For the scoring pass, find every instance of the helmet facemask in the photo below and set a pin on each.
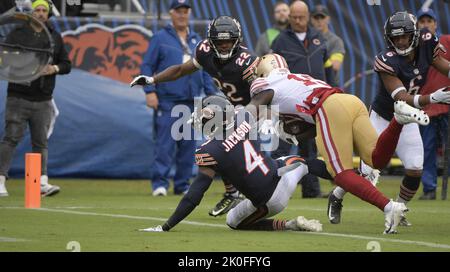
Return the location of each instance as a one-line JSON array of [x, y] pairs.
[[394, 28], [225, 28]]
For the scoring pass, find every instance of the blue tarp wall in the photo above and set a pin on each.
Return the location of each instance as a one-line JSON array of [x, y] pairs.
[[104, 129]]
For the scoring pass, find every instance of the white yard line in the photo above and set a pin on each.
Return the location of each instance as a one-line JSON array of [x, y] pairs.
[[11, 240], [160, 219]]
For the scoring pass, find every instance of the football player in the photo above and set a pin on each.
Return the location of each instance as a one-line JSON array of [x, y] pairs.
[[230, 65], [402, 70], [234, 153], [340, 123]]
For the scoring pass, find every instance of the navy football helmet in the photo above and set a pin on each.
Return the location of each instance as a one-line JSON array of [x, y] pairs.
[[401, 23], [225, 28], [215, 116]]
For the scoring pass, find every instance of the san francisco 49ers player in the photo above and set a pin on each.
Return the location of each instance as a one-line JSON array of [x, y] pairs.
[[341, 123], [230, 65]]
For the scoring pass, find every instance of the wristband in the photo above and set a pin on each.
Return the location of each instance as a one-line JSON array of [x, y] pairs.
[[416, 101], [396, 91]]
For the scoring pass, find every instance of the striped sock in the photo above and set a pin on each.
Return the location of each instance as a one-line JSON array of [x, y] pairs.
[[408, 188], [279, 224]]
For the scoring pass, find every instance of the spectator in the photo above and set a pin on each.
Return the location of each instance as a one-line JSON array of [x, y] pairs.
[[305, 52], [281, 16], [436, 132], [31, 104], [320, 19], [175, 44]]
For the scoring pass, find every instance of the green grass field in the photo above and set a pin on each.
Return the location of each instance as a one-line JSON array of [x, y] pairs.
[[104, 216]]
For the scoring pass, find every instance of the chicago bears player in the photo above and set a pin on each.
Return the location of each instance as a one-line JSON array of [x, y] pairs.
[[230, 65], [341, 123], [232, 152], [402, 69]]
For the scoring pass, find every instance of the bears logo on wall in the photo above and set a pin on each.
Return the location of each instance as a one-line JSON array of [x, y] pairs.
[[116, 53]]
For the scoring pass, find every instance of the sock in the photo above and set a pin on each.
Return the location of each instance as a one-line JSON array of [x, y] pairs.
[[318, 168], [408, 188], [44, 180], [230, 189], [388, 207], [386, 144], [339, 192], [362, 188], [266, 224]]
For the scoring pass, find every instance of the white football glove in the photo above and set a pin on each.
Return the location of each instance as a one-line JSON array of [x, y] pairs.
[[289, 138], [142, 80], [440, 96], [153, 229], [267, 127]]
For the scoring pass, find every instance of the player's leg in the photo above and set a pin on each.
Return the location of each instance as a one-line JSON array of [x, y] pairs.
[[164, 149], [410, 152], [245, 216], [40, 122], [334, 122], [15, 127]]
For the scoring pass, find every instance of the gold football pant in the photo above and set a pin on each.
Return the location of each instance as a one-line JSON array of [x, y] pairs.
[[343, 126]]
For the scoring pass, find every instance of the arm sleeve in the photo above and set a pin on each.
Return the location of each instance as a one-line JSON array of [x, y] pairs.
[[151, 61], [64, 63], [189, 201]]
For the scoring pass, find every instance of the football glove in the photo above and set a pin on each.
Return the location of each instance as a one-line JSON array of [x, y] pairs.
[[440, 96], [153, 229], [289, 138], [142, 80]]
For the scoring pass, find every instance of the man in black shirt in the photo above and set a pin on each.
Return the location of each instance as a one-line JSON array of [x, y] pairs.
[[31, 103]]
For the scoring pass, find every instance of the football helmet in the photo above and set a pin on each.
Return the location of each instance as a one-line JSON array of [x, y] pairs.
[[225, 28], [401, 23], [215, 116], [269, 62]]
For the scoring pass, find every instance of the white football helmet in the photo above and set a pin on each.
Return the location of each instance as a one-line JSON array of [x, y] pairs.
[[270, 62]]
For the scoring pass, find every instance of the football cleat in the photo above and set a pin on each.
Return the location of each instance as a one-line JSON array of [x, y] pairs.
[[404, 222], [225, 205], [303, 224], [334, 209], [49, 190], [405, 114], [393, 217]]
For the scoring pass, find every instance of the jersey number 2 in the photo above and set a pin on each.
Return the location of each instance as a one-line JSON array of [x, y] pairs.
[[253, 160]]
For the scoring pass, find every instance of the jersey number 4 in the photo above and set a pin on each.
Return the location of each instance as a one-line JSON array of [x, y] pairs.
[[253, 160]]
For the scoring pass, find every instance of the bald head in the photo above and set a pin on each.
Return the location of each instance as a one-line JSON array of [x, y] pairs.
[[299, 16]]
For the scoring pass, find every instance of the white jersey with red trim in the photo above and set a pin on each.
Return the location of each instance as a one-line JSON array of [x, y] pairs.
[[294, 94]]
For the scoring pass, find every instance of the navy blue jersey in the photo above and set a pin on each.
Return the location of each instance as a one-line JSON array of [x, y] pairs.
[[412, 74], [233, 76], [238, 159]]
